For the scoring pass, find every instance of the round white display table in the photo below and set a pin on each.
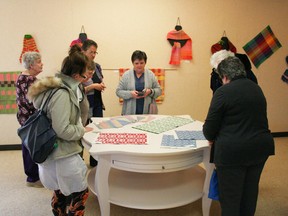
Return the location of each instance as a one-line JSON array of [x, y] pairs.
[[148, 176]]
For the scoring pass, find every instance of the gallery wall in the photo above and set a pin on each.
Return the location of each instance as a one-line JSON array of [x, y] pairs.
[[120, 27]]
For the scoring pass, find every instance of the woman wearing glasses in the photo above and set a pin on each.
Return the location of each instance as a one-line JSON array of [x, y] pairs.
[[64, 171]]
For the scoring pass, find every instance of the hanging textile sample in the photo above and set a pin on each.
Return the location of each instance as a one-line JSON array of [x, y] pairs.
[[262, 46], [8, 92], [29, 44], [82, 37], [284, 77], [223, 43], [181, 45]]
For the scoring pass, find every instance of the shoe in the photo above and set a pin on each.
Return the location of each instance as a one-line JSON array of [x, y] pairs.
[[93, 162], [36, 184]]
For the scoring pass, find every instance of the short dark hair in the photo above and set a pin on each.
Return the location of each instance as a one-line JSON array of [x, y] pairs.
[[231, 67], [88, 43], [139, 55], [75, 62]]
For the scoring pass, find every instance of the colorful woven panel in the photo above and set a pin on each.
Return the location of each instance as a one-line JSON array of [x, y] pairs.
[[162, 125], [122, 138], [116, 122], [170, 141], [194, 135], [159, 73], [8, 92], [262, 46]]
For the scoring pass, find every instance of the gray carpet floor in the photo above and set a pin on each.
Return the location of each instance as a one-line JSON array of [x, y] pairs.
[[20, 200]]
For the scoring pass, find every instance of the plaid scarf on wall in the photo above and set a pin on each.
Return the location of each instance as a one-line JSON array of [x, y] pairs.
[[262, 46]]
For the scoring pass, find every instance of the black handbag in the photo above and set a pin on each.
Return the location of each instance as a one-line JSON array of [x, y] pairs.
[[37, 134]]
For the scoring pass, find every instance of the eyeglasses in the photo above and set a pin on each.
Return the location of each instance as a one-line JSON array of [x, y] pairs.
[[83, 76], [94, 53]]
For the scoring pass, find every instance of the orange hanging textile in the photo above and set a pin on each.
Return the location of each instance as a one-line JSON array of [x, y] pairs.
[[182, 46], [28, 45]]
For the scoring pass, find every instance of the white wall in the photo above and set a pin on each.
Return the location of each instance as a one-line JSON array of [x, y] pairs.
[[120, 27]]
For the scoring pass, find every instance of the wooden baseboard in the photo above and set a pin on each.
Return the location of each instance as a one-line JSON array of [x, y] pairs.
[[10, 147], [280, 134]]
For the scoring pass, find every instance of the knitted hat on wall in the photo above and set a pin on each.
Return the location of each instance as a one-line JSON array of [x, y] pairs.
[[82, 37], [28, 45], [223, 44]]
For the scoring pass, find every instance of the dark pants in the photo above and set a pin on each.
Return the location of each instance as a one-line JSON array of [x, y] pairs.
[[238, 189], [98, 110], [75, 202], [30, 167]]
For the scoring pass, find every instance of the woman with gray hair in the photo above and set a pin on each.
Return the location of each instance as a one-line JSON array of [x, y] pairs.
[[33, 65], [237, 128]]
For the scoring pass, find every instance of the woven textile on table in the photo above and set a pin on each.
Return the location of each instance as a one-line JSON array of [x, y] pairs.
[[262, 46], [8, 92], [160, 75]]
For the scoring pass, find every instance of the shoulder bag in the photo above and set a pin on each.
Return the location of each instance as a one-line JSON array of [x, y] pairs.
[[37, 134], [153, 109]]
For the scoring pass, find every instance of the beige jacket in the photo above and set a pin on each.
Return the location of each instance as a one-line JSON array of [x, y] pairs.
[[63, 109]]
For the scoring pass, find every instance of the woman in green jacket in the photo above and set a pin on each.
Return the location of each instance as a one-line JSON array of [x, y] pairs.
[[64, 171]]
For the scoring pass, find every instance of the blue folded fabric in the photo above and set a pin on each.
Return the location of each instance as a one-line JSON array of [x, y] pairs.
[[213, 189]]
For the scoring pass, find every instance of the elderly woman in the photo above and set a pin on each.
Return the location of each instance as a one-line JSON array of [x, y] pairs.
[[33, 66], [64, 171], [237, 128], [138, 86]]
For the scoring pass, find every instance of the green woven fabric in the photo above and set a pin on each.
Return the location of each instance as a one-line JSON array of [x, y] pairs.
[[8, 92]]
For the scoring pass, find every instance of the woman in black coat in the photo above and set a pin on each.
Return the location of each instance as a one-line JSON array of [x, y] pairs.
[[237, 128]]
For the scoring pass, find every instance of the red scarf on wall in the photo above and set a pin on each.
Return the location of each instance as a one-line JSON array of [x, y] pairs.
[[182, 46]]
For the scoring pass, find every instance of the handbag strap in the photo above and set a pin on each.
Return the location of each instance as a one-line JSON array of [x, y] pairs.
[[43, 105]]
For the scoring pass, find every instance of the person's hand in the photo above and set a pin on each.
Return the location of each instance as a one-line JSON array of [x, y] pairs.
[[147, 92], [103, 86], [99, 86], [88, 129], [134, 94]]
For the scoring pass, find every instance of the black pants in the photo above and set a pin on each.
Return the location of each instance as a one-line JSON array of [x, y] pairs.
[[238, 189], [30, 167]]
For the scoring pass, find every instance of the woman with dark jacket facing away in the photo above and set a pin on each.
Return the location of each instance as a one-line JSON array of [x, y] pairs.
[[64, 171], [237, 128]]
